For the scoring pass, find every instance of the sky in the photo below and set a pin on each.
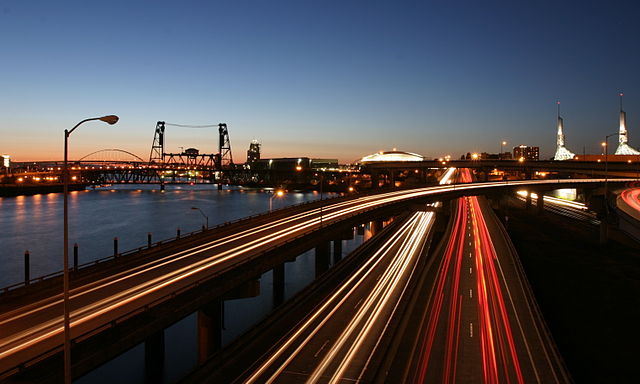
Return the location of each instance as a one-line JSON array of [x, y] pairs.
[[329, 79]]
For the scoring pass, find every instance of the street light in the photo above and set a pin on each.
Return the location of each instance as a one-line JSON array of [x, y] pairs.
[[277, 193], [321, 195], [502, 144], [110, 119], [202, 213], [605, 144]]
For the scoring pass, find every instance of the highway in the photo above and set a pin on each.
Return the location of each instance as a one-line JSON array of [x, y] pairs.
[[33, 330], [572, 209], [334, 342], [629, 202], [478, 321]]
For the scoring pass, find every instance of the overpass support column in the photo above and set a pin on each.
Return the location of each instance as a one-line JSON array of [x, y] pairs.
[[209, 329], [604, 230], [337, 250], [528, 200], [540, 203], [322, 258], [376, 226], [278, 285], [154, 357]]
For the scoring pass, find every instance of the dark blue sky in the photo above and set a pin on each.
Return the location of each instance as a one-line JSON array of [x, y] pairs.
[[325, 79]]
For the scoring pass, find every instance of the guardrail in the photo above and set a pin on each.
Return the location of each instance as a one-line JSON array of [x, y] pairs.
[[139, 250]]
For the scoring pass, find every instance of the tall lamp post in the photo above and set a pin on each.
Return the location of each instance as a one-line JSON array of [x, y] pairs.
[[202, 213], [502, 144], [321, 195], [110, 119], [277, 193], [605, 144]]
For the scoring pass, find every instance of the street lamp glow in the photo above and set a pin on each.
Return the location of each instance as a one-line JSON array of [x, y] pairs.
[[277, 193]]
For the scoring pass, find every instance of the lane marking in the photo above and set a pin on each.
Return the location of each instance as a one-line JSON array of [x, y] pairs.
[[470, 329], [321, 348], [470, 270], [471, 293]]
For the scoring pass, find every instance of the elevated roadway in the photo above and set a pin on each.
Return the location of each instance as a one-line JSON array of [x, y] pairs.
[[31, 330], [476, 320]]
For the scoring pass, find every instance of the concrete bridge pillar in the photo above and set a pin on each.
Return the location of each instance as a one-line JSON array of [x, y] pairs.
[[604, 230], [540, 203], [210, 320], [337, 250], [322, 258], [278, 285], [376, 226], [528, 201], [154, 358]]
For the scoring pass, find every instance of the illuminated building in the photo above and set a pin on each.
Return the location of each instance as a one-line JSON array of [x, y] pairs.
[[623, 139], [562, 153], [526, 152], [253, 154], [391, 156]]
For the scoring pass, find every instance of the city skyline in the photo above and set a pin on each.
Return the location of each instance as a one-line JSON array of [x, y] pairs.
[[331, 80]]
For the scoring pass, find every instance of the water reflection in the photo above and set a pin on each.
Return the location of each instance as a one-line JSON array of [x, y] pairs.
[[128, 212]]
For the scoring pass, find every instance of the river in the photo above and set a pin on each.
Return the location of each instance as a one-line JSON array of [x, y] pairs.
[[130, 212]]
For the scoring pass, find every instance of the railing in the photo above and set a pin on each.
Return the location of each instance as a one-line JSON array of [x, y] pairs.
[[140, 250], [248, 218]]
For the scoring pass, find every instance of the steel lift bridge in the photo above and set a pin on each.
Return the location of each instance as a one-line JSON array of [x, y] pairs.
[[211, 166], [115, 166]]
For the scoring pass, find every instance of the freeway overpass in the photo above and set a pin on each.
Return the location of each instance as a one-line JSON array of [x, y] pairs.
[[462, 313], [132, 299]]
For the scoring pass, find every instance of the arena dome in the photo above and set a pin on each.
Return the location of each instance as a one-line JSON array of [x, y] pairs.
[[392, 156]]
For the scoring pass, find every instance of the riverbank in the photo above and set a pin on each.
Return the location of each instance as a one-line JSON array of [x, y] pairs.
[[10, 190]]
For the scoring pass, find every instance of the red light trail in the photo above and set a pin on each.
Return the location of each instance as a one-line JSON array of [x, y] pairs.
[[472, 331]]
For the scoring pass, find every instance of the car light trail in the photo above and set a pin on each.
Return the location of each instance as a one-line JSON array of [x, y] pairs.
[[34, 329], [632, 198], [572, 209], [472, 329], [394, 263]]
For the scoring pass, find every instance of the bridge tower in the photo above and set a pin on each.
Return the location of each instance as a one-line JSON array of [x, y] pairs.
[[225, 159], [157, 149]]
